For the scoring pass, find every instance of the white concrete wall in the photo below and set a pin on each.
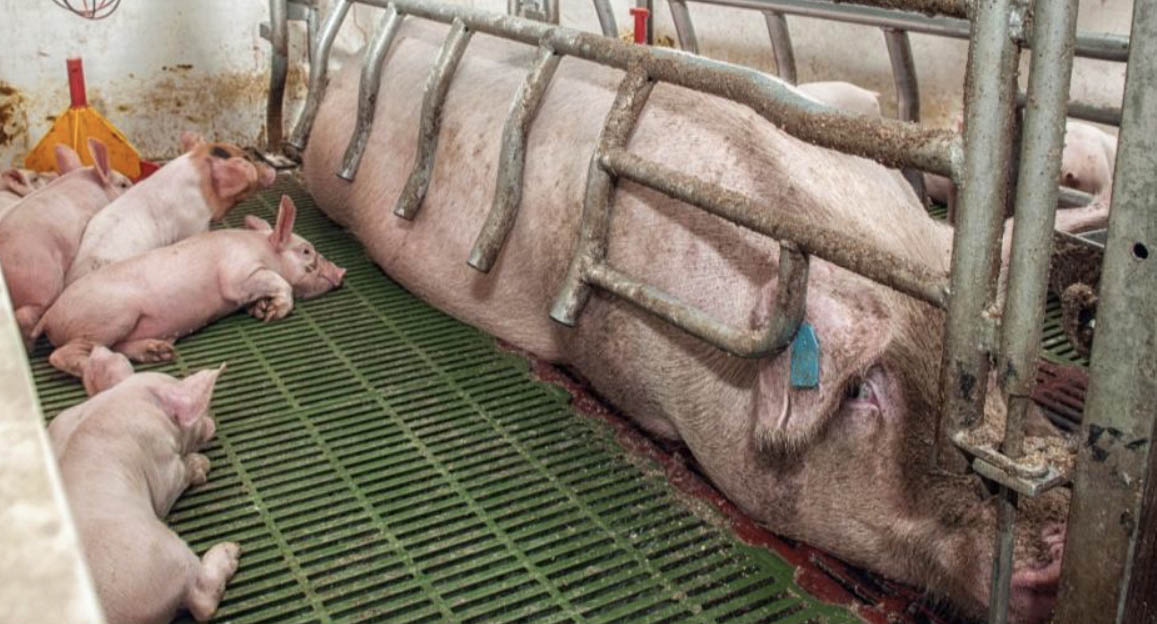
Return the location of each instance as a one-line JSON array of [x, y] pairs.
[[159, 66]]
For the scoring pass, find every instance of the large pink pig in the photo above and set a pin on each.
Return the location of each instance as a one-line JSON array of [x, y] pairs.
[[140, 306], [39, 238], [176, 202], [125, 457], [845, 466], [16, 184]]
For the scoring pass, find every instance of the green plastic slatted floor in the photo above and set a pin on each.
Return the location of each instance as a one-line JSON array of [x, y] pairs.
[[379, 461]]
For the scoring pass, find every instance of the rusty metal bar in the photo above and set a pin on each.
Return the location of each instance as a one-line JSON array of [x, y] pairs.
[[632, 95], [907, 92], [1101, 562], [279, 42], [781, 45], [437, 85], [684, 29], [368, 88], [1108, 115], [512, 158], [319, 68], [606, 18], [828, 244]]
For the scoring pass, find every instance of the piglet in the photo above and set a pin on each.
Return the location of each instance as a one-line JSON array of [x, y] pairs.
[[39, 238], [140, 306], [176, 202], [125, 456], [16, 184], [844, 96]]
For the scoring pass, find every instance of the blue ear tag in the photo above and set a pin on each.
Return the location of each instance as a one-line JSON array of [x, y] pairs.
[[805, 358]]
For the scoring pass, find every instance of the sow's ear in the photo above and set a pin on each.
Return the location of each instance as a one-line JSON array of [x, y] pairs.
[[283, 232], [105, 369], [187, 400], [66, 159]]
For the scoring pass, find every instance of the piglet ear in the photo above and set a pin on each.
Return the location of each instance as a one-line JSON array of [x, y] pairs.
[[17, 181], [100, 161], [105, 369], [187, 400], [66, 159], [190, 140], [232, 177], [255, 222], [283, 232]]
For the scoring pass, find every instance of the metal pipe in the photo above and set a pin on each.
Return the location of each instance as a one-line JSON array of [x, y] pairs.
[[831, 245], [368, 88], [511, 160], [552, 13], [888, 141], [990, 100], [781, 46], [1043, 140], [684, 29], [907, 92], [606, 18], [598, 200], [318, 69], [1108, 115], [279, 42], [1101, 561], [437, 85]]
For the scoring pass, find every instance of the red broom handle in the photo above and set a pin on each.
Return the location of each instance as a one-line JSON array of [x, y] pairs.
[[76, 83]]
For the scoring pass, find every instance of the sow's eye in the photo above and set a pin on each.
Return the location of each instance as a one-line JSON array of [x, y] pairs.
[[861, 392]]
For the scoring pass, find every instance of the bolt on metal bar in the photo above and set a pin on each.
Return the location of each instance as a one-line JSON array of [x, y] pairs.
[[319, 68], [598, 200], [1101, 563], [279, 42], [368, 88], [1043, 139], [437, 85], [990, 99], [684, 29], [907, 92], [511, 160], [828, 244], [781, 46], [606, 18]]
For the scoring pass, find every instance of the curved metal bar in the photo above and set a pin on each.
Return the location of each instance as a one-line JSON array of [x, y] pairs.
[[598, 201], [907, 92], [508, 189], [368, 88], [781, 45], [606, 18], [279, 41], [434, 97], [684, 29], [319, 67]]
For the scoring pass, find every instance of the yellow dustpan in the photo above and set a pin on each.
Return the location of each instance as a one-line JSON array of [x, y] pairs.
[[77, 124]]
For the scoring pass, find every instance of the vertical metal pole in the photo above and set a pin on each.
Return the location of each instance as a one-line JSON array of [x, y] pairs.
[[279, 41], [990, 100], [606, 18], [1120, 413], [650, 6], [781, 45], [683, 27], [368, 87], [318, 69], [907, 91], [1042, 141]]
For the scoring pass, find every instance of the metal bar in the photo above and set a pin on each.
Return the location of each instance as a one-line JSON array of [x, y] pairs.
[[552, 12], [511, 160], [317, 75], [1072, 198], [684, 29], [907, 92], [437, 85], [606, 18], [279, 42], [1042, 141], [1120, 414], [1108, 115], [650, 6], [790, 306], [368, 88], [781, 45], [990, 100], [598, 200], [829, 244], [888, 141]]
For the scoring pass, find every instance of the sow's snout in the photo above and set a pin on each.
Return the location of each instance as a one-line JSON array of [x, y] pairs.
[[1035, 584]]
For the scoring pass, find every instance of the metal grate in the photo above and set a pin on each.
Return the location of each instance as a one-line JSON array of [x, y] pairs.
[[378, 460]]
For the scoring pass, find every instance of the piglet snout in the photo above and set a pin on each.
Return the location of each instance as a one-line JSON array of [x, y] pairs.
[[266, 175], [332, 273]]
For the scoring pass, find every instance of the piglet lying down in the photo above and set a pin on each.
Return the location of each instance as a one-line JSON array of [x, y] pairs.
[[125, 457], [140, 306]]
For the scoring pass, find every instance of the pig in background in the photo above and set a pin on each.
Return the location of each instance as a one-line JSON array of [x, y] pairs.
[[125, 457], [16, 184], [844, 96], [39, 237], [846, 466], [176, 202], [141, 305]]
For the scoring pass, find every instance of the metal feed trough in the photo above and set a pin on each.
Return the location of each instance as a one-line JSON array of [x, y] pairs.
[[1105, 552]]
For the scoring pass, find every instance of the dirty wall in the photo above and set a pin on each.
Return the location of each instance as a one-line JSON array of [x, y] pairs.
[[156, 67]]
